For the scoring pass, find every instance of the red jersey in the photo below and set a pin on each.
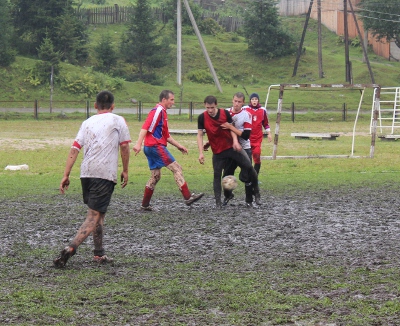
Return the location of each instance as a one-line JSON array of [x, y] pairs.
[[220, 139], [156, 125], [259, 120]]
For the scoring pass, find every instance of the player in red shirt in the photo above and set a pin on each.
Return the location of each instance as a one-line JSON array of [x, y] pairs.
[[259, 121], [224, 145], [156, 135]]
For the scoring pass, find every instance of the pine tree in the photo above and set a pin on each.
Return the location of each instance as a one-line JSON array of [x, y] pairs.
[[140, 45], [263, 30], [7, 52], [105, 54], [34, 20]]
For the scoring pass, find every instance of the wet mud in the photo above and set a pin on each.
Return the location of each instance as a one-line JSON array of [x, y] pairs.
[[343, 227]]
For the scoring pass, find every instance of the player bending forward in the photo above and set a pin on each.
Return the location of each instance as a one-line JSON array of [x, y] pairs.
[[101, 136], [224, 145]]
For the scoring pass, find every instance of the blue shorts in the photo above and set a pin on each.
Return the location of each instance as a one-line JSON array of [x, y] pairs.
[[158, 156]]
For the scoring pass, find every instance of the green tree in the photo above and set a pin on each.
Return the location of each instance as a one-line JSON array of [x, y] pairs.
[[105, 54], [140, 44], [71, 39], [169, 14], [264, 32], [49, 58], [34, 20], [7, 52], [382, 18]]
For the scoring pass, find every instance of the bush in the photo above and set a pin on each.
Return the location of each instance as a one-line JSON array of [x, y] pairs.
[[210, 26], [200, 76]]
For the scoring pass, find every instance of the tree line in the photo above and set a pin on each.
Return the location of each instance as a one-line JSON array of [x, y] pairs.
[[51, 32]]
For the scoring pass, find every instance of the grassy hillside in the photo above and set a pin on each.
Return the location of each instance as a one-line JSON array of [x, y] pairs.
[[238, 70]]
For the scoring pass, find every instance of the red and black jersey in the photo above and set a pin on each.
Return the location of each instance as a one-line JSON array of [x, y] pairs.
[[220, 139]]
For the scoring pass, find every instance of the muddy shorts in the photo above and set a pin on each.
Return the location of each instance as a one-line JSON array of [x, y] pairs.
[[158, 156], [97, 193]]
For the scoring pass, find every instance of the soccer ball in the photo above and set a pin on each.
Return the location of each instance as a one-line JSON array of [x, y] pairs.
[[229, 182]]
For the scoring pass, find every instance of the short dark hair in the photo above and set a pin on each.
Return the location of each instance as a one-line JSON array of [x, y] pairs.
[[240, 95], [104, 100], [165, 94], [210, 99]]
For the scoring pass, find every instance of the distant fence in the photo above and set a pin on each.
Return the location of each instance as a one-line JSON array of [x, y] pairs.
[[301, 111], [121, 14]]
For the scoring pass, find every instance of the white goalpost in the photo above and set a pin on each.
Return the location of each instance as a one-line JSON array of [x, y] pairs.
[[361, 87]]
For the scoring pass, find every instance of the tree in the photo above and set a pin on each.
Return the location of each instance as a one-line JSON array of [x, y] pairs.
[[139, 45], [264, 32], [105, 54], [7, 52], [49, 58], [382, 18], [34, 20], [71, 39]]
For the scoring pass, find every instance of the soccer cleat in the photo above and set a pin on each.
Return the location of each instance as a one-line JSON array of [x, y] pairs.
[[146, 208], [193, 198], [66, 253], [257, 198], [102, 259], [227, 199], [249, 205]]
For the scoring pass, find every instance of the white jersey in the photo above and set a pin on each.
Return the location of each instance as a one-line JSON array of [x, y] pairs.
[[241, 121], [101, 135]]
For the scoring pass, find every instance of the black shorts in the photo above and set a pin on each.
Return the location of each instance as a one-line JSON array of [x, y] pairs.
[[97, 193]]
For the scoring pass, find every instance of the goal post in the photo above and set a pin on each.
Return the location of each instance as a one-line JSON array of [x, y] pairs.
[[361, 87]]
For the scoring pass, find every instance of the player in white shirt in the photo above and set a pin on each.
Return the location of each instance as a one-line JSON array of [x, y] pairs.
[[243, 126], [101, 137]]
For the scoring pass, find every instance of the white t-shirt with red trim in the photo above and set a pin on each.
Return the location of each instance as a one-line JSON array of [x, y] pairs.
[[100, 136]]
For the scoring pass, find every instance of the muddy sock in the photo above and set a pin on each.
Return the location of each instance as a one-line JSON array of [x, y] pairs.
[[148, 193], [257, 167], [99, 252], [185, 191]]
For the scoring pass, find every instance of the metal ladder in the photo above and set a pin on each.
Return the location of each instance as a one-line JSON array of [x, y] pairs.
[[389, 109]]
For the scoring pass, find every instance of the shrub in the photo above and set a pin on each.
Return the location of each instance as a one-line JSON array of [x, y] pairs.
[[200, 76]]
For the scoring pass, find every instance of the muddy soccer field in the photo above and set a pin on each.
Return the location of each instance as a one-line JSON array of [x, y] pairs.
[[326, 257]]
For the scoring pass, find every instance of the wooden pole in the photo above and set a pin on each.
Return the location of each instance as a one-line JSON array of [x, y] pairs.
[[300, 49], [278, 121], [179, 42], [321, 73], [346, 41], [196, 30], [51, 88], [363, 44]]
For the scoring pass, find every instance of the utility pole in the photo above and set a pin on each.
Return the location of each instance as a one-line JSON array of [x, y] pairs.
[[363, 44], [300, 49], [179, 42], [346, 42], [196, 30], [321, 73]]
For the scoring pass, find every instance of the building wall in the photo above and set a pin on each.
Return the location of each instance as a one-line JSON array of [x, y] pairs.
[[332, 16]]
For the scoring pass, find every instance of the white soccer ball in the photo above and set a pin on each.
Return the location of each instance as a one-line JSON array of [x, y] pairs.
[[229, 182]]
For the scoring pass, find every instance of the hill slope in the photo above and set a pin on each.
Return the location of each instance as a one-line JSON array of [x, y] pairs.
[[238, 70]]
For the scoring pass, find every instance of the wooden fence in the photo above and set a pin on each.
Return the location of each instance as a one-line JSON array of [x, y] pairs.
[[121, 14]]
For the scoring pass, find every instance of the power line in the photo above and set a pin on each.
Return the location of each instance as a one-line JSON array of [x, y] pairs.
[[377, 18]]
